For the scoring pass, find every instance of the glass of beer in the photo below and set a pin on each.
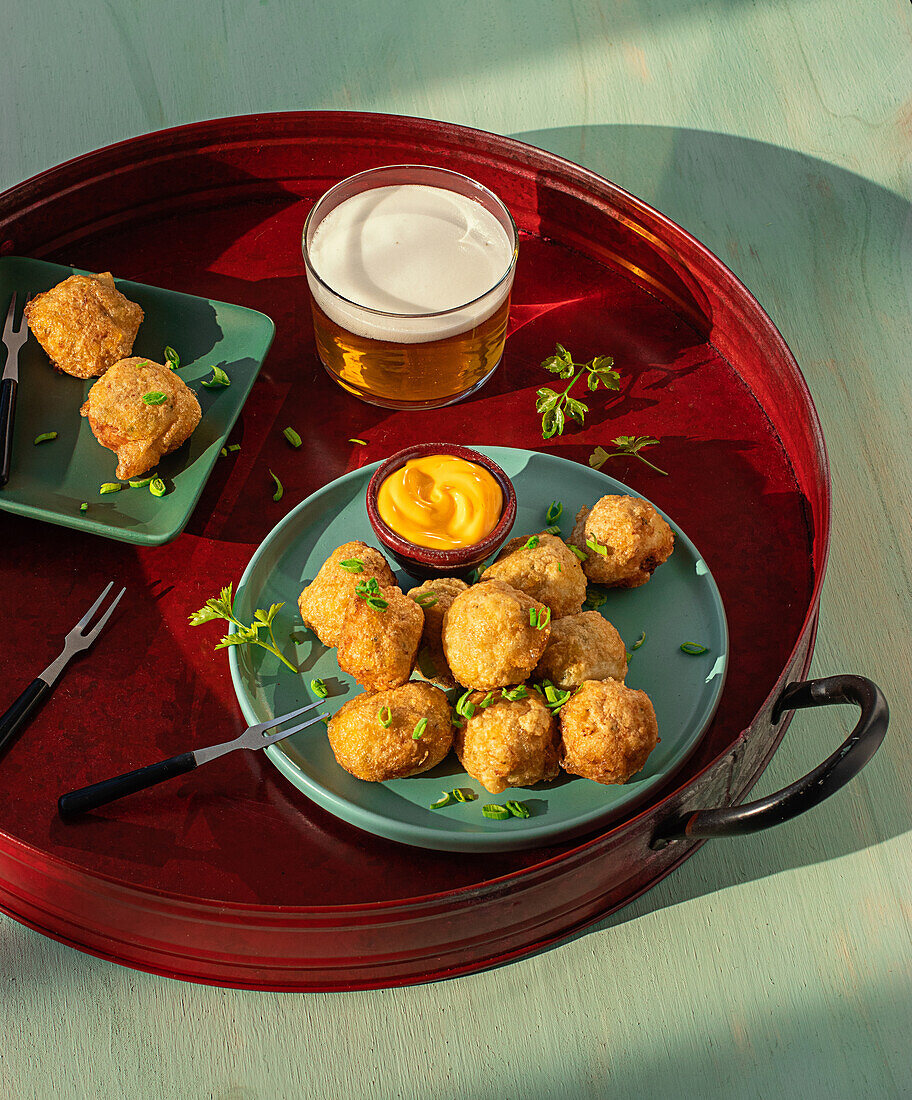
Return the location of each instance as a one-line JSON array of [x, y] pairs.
[[410, 270]]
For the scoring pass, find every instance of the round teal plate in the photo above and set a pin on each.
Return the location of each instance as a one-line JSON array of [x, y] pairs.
[[681, 603]]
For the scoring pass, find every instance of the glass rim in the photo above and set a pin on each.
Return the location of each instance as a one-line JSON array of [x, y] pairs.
[[411, 316]]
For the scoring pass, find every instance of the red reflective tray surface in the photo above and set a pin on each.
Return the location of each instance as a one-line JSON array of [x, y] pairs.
[[230, 875]]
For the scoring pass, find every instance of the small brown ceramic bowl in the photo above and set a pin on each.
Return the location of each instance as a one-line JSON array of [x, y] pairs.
[[423, 561]]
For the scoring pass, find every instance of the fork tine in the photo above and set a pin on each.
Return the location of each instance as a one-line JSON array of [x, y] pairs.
[[84, 621], [294, 729], [282, 718], [10, 314], [99, 626]]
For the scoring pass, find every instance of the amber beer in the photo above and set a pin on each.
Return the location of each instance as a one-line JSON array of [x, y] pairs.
[[410, 270]]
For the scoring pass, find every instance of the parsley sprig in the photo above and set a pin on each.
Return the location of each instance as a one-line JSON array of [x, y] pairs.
[[556, 407], [627, 445], [223, 608]]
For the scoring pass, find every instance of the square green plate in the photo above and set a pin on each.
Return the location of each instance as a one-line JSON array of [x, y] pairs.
[[680, 603], [51, 480]]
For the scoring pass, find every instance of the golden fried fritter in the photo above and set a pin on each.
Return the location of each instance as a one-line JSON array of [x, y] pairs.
[[378, 646], [548, 571], [607, 731], [634, 536], [488, 639], [582, 647], [509, 743], [84, 324], [324, 601], [123, 419], [435, 596], [370, 750]]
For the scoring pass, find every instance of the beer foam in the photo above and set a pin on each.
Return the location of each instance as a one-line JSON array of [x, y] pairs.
[[405, 250]]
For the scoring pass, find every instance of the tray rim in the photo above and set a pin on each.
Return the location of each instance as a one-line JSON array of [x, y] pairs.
[[589, 182]]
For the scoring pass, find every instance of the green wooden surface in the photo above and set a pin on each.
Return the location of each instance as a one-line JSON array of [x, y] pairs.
[[780, 133]]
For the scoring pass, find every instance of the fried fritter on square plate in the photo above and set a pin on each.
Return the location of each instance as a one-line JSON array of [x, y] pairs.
[[325, 600], [548, 571], [607, 731], [373, 736], [508, 743], [582, 647], [631, 537], [378, 645], [84, 324], [128, 415]]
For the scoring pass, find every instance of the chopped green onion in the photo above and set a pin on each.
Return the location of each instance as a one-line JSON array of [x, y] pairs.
[[157, 487], [279, 490], [84, 507], [360, 442], [443, 800], [554, 512], [463, 706], [595, 597], [386, 720], [463, 794], [324, 718], [518, 809], [576, 550], [515, 693], [292, 436], [426, 663], [370, 586], [636, 645], [44, 437], [539, 619], [496, 813], [553, 529], [172, 358], [318, 687], [418, 731], [140, 482], [110, 487], [219, 378], [425, 599], [154, 397], [597, 547], [224, 452], [351, 565], [376, 603], [234, 447], [531, 542], [694, 649], [487, 701]]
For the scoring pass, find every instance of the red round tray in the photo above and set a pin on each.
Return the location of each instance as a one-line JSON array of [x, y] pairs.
[[230, 875]]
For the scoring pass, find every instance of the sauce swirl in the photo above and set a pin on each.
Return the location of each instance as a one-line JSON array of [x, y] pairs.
[[440, 501]]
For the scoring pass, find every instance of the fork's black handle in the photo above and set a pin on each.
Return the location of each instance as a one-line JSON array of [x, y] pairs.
[[8, 388], [108, 790], [22, 710]]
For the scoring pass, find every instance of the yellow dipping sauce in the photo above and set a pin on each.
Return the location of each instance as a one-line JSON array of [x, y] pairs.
[[440, 501]]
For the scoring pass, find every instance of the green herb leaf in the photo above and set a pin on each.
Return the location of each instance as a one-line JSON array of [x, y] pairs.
[[496, 813], [319, 688], [518, 809], [45, 437], [443, 800], [279, 489], [694, 649], [110, 487], [219, 378], [554, 512], [531, 542], [598, 458], [223, 608], [157, 487], [576, 410], [172, 358], [597, 547], [627, 445], [385, 720], [546, 399], [553, 422], [351, 565], [292, 436], [418, 731]]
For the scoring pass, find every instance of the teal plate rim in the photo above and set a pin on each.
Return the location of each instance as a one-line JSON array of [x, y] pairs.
[[49, 482], [570, 806]]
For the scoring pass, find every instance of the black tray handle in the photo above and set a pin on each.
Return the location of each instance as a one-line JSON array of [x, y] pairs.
[[814, 787]]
